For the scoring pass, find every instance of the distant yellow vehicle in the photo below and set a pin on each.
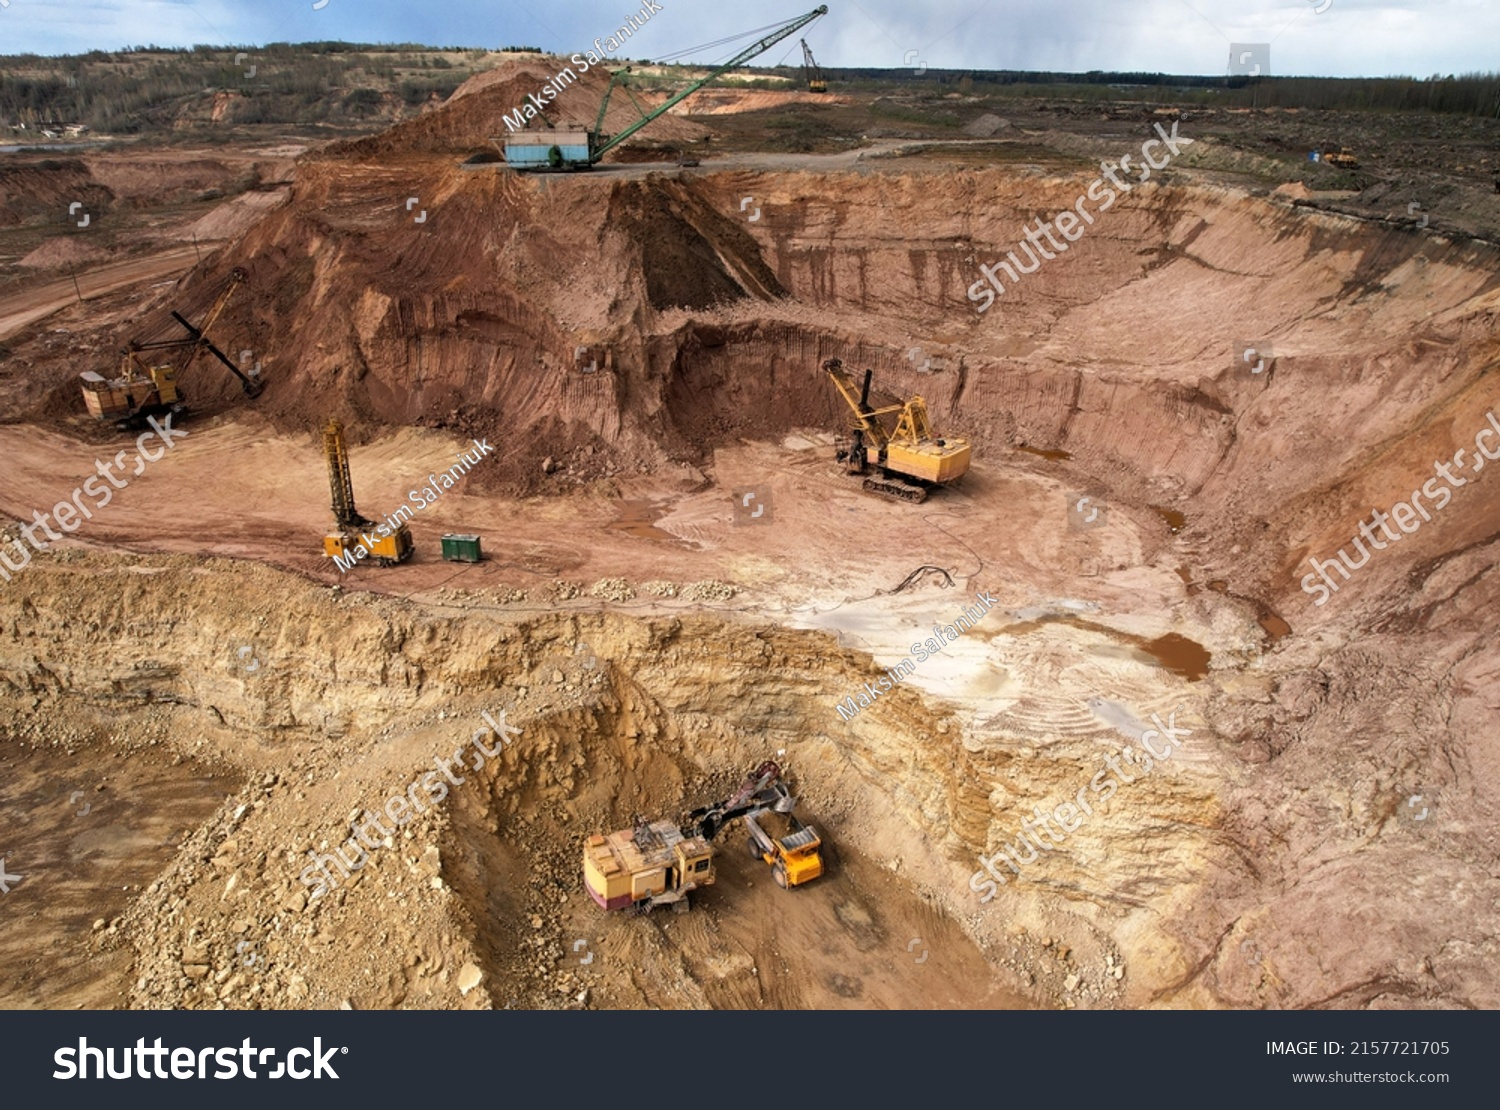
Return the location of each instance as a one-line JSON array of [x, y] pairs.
[[812, 73], [912, 458], [143, 390]]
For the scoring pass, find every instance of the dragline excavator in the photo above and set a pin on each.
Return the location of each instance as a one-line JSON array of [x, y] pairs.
[[578, 147], [911, 457], [353, 536], [658, 863], [811, 72], [142, 389]]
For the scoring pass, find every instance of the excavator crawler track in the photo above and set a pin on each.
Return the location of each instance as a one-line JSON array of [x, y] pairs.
[[896, 491]]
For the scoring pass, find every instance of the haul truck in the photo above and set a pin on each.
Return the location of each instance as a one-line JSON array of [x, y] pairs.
[[777, 837]]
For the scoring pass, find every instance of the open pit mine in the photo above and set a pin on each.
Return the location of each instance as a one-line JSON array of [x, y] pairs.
[[1010, 599]]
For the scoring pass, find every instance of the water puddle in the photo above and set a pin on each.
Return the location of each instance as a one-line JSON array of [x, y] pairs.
[[1178, 654], [638, 518], [1275, 627], [1173, 652], [1175, 521]]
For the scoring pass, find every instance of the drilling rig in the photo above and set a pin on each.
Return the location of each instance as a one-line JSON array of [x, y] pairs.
[[351, 540], [144, 390], [912, 459]]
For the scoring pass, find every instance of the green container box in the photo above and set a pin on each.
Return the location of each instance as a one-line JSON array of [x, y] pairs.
[[461, 549]]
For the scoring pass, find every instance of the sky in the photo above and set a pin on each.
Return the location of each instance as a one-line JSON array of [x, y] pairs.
[[1334, 38]]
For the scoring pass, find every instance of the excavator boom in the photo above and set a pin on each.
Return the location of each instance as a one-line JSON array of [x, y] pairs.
[[859, 402]]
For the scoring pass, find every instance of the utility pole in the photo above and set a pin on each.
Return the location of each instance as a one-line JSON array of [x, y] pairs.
[[72, 273]]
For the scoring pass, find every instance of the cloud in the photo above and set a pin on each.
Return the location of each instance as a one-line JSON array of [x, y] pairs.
[[1347, 38]]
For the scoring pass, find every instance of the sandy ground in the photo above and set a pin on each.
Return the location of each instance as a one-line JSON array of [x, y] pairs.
[[1286, 824], [21, 309]]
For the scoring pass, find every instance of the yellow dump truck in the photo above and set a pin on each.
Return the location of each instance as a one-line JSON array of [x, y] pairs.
[[794, 850]]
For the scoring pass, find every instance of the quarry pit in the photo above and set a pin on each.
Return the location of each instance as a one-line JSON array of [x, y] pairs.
[[194, 702]]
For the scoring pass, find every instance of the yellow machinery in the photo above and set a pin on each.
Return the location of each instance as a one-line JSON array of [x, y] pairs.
[[143, 390], [658, 863], [652, 864], [777, 837], [355, 537], [811, 71], [1343, 158], [911, 458]]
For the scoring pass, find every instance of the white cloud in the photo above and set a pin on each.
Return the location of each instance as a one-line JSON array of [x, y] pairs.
[[1348, 38]]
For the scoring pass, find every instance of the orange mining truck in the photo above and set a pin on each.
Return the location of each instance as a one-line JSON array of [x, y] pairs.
[[794, 850]]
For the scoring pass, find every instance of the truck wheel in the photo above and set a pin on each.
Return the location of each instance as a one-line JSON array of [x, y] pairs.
[[779, 874], [754, 851]]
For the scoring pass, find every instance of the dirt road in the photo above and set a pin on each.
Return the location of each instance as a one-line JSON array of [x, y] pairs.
[[26, 308]]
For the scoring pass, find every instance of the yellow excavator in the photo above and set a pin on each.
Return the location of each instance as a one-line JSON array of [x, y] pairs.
[[911, 457], [352, 539], [144, 390], [812, 73]]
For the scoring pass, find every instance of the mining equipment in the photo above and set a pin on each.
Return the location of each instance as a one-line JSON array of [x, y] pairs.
[[659, 863], [1343, 158], [579, 148], [811, 72], [145, 388], [387, 546], [779, 838], [911, 458]]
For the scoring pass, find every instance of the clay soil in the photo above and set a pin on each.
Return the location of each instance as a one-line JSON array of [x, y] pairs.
[[194, 702]]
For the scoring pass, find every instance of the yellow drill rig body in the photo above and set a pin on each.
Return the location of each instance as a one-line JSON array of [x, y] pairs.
[[354, 538]]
